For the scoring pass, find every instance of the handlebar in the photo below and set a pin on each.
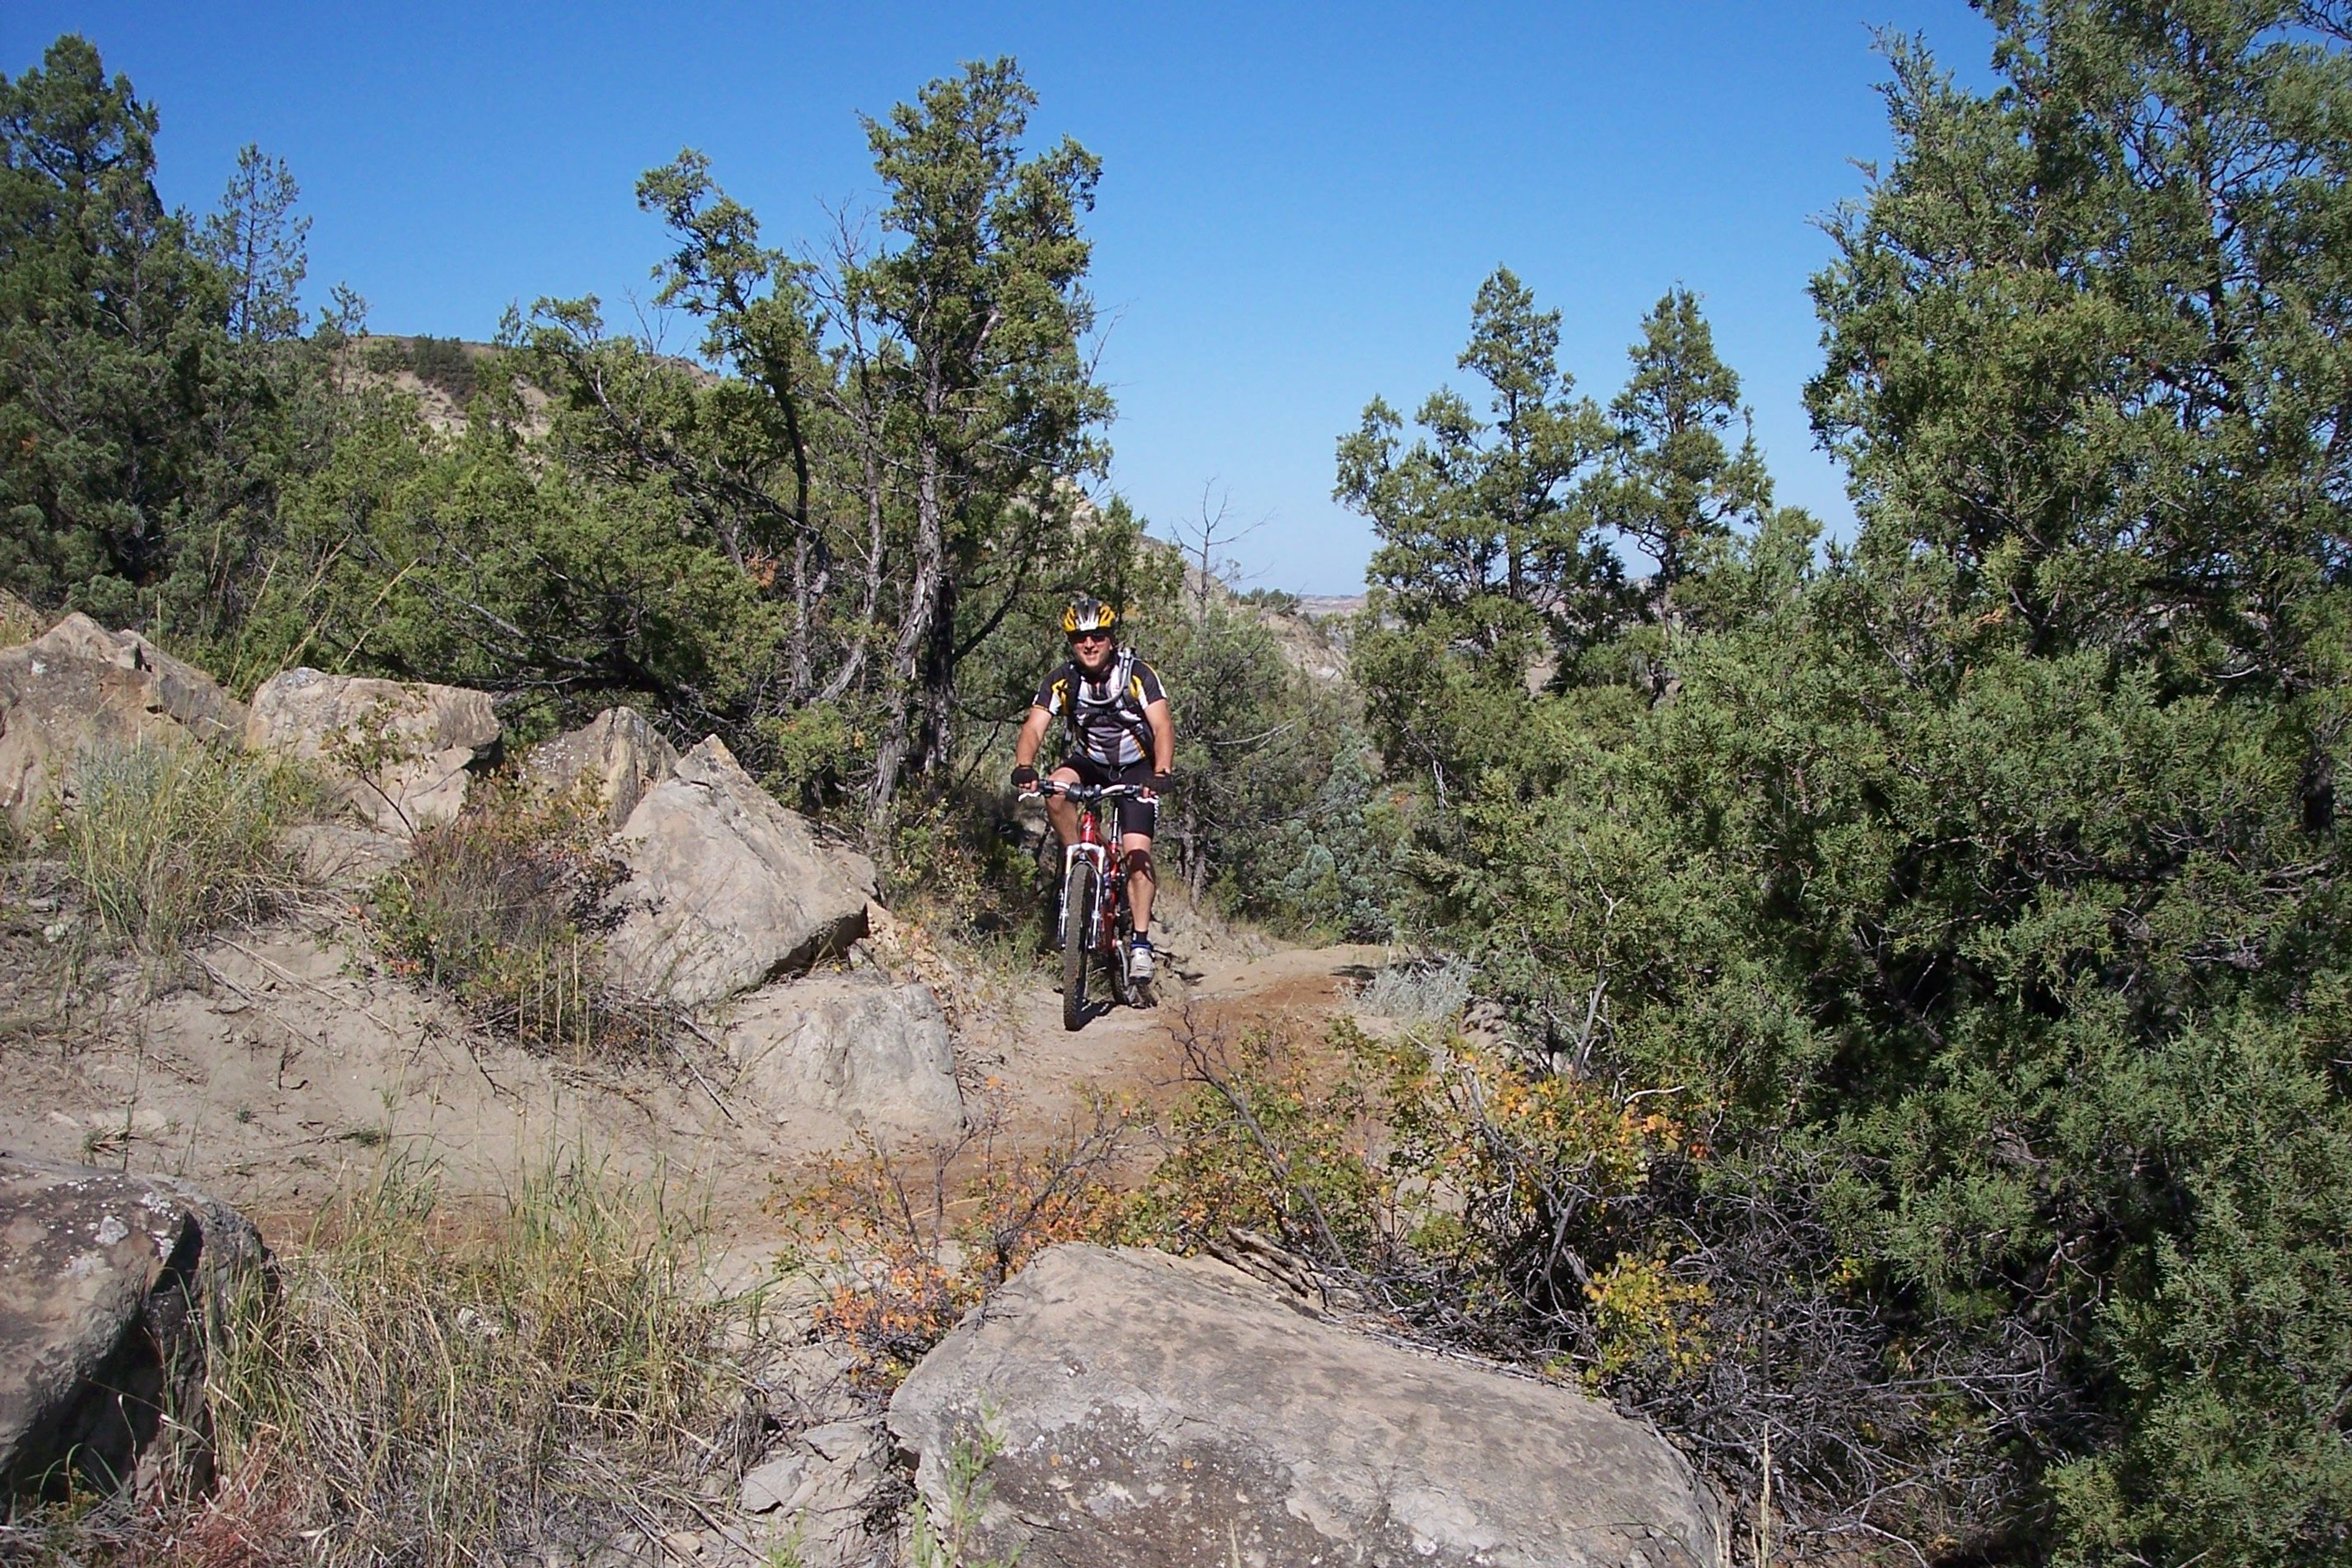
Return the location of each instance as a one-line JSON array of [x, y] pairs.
[[1086, 793]]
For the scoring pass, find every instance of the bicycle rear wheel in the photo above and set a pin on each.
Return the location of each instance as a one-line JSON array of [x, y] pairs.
[[1077, 936]]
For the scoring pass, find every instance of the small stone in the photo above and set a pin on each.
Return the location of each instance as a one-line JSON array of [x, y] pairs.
[[771, 1485], [843, 1439]]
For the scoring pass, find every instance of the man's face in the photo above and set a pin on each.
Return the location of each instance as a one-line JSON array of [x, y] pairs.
[[1092, 650]]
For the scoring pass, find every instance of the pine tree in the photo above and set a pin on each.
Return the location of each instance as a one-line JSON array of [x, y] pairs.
[[110, 338]]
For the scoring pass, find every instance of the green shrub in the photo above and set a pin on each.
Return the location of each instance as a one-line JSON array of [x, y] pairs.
[[1271, 1138], [164, 842]]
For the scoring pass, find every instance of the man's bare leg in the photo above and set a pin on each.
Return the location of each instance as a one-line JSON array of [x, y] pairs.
[[1061, 810], [1138, 879]]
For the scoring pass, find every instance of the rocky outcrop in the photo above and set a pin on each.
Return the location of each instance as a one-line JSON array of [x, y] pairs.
[[185, 693], [611, 762], [1156, 1411], [726, 890], [112, 1288], [403, 753], [79, 687], [867, 1053]]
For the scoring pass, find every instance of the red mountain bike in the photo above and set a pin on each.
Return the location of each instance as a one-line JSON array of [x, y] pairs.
[[1096, 924]]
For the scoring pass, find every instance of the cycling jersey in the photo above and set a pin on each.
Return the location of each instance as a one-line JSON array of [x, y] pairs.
[[1105, 713]]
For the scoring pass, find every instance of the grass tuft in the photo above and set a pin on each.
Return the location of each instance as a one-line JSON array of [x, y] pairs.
[[431, 1389], [19, 622], [164, 842], [1419, 991]]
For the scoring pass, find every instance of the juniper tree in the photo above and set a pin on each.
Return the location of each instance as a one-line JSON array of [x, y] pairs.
[[1673, 485], [1487, 563]]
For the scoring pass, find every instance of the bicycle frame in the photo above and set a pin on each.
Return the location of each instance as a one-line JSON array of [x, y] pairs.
[[1094, 891], [1109, 870]]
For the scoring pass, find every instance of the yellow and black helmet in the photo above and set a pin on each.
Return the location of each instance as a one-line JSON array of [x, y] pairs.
[[1088, 613]]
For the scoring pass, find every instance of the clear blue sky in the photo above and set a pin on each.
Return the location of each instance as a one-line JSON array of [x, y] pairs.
[[1297, 202]]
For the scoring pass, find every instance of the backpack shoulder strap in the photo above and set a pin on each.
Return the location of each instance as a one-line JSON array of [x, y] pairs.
[[1135, 720]]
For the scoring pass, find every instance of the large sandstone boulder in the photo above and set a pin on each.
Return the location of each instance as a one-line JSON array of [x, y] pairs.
[[613, 761], [403, 753], [113, 1287], [1157, 1411], [726, 890], [868, 1054], [79, 687]]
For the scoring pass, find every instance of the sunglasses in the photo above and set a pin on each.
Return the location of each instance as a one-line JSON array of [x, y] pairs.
[[1089, 636]]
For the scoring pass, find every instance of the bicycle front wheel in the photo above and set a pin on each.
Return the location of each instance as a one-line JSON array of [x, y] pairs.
[[1077, 936]]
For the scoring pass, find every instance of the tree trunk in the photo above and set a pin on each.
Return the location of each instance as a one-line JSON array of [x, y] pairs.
[[918, 635]]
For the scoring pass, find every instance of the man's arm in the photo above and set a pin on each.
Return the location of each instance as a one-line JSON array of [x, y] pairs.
[[1032, 733], [1163, 737]]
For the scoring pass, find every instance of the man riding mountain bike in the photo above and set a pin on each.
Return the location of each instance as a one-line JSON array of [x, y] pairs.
[[1119, 734]]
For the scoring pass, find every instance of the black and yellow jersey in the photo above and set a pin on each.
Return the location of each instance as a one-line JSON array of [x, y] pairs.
[[1105, 716]]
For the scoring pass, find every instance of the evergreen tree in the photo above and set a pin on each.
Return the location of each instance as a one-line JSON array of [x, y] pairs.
[[981, 292], [1482, 539], [2087, 336], [110, 338], [1488, 565], [260, 247], [1979, 889], [1673, 486]]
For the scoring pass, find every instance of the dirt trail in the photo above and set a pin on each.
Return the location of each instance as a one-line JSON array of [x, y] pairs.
[[1049, 1069], [291, 1068]]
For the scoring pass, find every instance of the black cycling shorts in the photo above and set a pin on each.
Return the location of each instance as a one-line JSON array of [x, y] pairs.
[[1134, 816]]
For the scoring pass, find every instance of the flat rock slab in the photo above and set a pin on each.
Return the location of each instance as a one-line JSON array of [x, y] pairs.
[[1157, 1411], [727, 889], [111, 1286]]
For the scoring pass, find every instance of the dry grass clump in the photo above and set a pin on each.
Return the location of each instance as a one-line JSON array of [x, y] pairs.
[[929, 1232], [19, 622], [163, 842], [504, 908], [427, 1391], [1420, 992]]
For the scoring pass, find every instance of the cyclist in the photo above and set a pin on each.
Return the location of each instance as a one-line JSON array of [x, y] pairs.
[[1119, 732]]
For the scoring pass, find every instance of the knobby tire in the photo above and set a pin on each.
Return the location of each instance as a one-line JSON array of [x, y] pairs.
[[1077, 936], [1123, 944]]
